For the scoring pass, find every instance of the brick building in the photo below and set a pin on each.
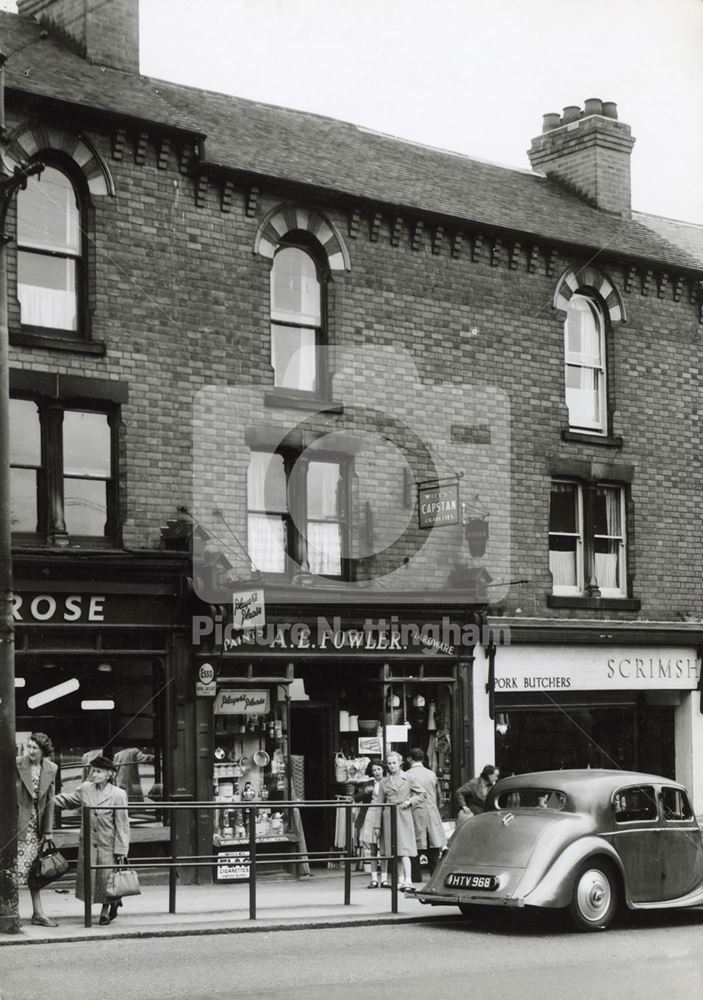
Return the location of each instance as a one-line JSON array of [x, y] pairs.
[[242, 335]]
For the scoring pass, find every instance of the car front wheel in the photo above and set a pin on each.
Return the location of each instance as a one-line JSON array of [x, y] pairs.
[[595, 899]]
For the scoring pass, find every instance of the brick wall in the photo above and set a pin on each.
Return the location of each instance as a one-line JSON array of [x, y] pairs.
[[181, 301]]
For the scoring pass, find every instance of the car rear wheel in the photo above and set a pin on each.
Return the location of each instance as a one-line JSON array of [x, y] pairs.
[[595, 899]]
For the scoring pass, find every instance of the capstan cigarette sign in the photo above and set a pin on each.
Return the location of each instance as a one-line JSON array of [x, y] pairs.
[[438, 504]]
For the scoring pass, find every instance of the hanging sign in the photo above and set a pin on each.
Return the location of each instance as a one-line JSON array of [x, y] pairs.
[[205, 686], [248, 609], [438, 503], [241, 702]]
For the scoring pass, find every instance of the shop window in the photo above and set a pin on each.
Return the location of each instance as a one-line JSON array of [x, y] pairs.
[[585, 368], [49, 253], [635, 805], [297, 320], [587, 539], [296, 513], [62, 484]]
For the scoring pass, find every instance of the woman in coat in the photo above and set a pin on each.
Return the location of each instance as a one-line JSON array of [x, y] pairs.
[[36, 780], [429, 830], [109, 832], [398, 787], [367, 820]]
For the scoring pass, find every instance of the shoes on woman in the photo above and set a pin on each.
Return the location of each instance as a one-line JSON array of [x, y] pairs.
[[114, 907], [386, 884], [104, 920], [44, 921], [373, 884]]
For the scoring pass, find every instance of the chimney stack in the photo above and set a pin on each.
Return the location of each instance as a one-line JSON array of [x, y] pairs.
[[106, 33], [589, 151]]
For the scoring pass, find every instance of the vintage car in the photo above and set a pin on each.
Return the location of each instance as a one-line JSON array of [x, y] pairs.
[[589, 840]]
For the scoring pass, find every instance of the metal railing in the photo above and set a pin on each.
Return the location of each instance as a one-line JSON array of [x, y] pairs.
[[176, 861]]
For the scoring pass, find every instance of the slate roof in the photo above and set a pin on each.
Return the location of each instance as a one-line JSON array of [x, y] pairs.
[[340, 157]]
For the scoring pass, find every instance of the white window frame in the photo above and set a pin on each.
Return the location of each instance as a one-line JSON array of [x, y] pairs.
[[600, 424], [585, 539]]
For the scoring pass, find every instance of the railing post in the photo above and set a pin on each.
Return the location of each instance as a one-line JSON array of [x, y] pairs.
[[394, 858], [252, 864], [347, 853], [172, 871], [87, 867]]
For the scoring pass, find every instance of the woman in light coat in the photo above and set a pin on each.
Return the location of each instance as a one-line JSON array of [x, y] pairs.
[[36, 781], [398, 788], [109, 829]]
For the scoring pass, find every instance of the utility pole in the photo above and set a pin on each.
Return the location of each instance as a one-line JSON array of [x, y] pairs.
[[10, 183]]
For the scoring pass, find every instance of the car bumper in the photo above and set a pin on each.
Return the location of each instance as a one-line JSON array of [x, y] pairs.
[[452, 899]]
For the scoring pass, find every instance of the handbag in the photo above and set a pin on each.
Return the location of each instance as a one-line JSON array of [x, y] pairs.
[[341, 768], [122, 881], [49, 865]]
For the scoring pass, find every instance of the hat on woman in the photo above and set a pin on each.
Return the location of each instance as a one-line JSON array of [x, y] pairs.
[[104, 763]]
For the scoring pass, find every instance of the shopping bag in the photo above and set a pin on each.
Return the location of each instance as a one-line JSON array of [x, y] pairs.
[[49, 865], [122, 881]]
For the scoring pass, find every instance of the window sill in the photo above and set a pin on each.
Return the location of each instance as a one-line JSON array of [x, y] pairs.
[[583, 437], [56, 343], [312, 404], [594, 603]]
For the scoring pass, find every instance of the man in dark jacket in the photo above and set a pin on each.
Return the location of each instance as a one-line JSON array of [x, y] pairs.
[[471, 797]]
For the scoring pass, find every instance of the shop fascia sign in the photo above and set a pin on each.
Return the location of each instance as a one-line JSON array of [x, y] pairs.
[[231, 701], [438, 503], [75, 608], [324, 635], [616, 668], [58, 608]]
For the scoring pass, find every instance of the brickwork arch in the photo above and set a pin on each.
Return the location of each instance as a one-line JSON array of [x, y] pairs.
[[590, 279], [287, 218], [33, 138]]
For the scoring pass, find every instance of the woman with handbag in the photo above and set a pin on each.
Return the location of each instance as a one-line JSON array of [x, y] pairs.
[[109, 832], [36, 784]]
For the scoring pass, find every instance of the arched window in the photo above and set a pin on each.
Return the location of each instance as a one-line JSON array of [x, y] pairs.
[[49, 252], [584, 351], [296, 320]]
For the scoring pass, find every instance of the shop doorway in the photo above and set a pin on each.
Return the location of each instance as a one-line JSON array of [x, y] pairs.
[[311, 739]]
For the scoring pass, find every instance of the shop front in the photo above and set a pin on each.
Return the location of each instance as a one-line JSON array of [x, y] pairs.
[[96, 661], [295, 709], [598, 705]]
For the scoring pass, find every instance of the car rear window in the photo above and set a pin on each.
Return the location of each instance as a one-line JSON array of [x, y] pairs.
[[635, 804], [531, 798]]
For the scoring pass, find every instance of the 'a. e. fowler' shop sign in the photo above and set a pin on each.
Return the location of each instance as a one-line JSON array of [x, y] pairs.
[[327, 635], [614, 668]]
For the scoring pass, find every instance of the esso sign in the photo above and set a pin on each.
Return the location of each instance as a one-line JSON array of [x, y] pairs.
[[47, 608], [206, 673]]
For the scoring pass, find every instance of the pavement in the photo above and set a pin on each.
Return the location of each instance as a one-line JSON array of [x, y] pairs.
[[315, 901]]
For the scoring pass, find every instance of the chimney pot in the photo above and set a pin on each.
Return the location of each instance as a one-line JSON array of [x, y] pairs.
[[593, 106], [571, 113], [589, 156], [550, 121]]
